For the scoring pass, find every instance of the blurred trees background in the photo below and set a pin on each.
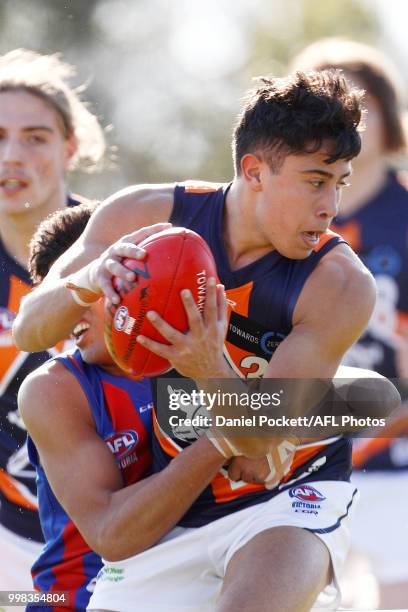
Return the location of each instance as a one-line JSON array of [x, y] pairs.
[[168, 74]]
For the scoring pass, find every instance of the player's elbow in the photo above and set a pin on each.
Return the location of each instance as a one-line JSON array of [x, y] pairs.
[[373, 396], [103, 542], [24, 332], [23, 340], [113, 553], [113, 542], [116, 548], [388, 397]]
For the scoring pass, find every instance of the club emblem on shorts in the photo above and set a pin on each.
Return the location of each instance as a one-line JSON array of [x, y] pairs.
[[306, 493]]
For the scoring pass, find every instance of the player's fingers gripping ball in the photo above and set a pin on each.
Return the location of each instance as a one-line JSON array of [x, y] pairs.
[[176, 259]]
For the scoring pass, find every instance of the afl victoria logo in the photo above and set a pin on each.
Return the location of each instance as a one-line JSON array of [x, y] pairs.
[[306, 493], [121, 318], [122, 443]]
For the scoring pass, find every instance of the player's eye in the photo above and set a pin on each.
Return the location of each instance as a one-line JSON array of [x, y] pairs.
[[36, 139], [317, 182]]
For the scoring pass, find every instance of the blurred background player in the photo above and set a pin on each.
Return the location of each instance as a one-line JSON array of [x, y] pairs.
[[374, 219], [45, 130]]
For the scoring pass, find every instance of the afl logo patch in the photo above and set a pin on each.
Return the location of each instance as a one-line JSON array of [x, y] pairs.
[[122, 443], [306, 493]]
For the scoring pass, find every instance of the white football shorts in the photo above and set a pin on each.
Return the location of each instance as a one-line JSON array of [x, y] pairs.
[[185, 570]]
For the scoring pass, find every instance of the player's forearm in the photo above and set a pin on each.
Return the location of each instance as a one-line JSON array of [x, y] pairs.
[[46, 316], [139, 515]]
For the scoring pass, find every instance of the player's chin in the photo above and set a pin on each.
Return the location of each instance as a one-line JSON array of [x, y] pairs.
[[296, 252], [12, 206], [90, 354]]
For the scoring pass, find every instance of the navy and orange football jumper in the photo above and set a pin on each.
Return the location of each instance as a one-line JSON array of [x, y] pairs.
[[261, 299], [18, 501]]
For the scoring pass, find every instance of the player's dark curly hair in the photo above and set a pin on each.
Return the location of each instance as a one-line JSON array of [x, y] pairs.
[[55, 235], [295, 114]]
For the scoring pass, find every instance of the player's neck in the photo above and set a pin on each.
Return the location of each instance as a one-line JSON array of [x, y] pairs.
[[112, 369], [242, 243], [16, 230], [366, 181]]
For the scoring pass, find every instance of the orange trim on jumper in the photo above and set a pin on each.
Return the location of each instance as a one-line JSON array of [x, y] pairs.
[[238, 301], [324, 238], [199, 187], [169, 447], [351, 232], [10, 490], [225, 490]]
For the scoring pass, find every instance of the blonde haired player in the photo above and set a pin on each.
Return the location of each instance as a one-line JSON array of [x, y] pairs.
[[45, 130]]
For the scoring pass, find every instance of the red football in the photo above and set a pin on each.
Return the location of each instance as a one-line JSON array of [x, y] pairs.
[[176, 259]]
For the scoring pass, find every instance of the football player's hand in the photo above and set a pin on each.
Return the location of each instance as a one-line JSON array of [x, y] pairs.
[[197, 354], [95, 279], [268, 470]]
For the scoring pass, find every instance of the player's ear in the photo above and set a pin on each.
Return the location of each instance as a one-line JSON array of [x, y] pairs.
[[251, 171], [70, 146]]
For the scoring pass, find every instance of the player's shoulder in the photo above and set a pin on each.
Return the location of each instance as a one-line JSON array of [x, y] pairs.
[[340, 282], [46, 376], [343, 267], [155, 198], [130, 208], [47, 393]]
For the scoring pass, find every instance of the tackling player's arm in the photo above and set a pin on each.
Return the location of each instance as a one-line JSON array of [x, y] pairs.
[[51, 305], [116, 522]]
